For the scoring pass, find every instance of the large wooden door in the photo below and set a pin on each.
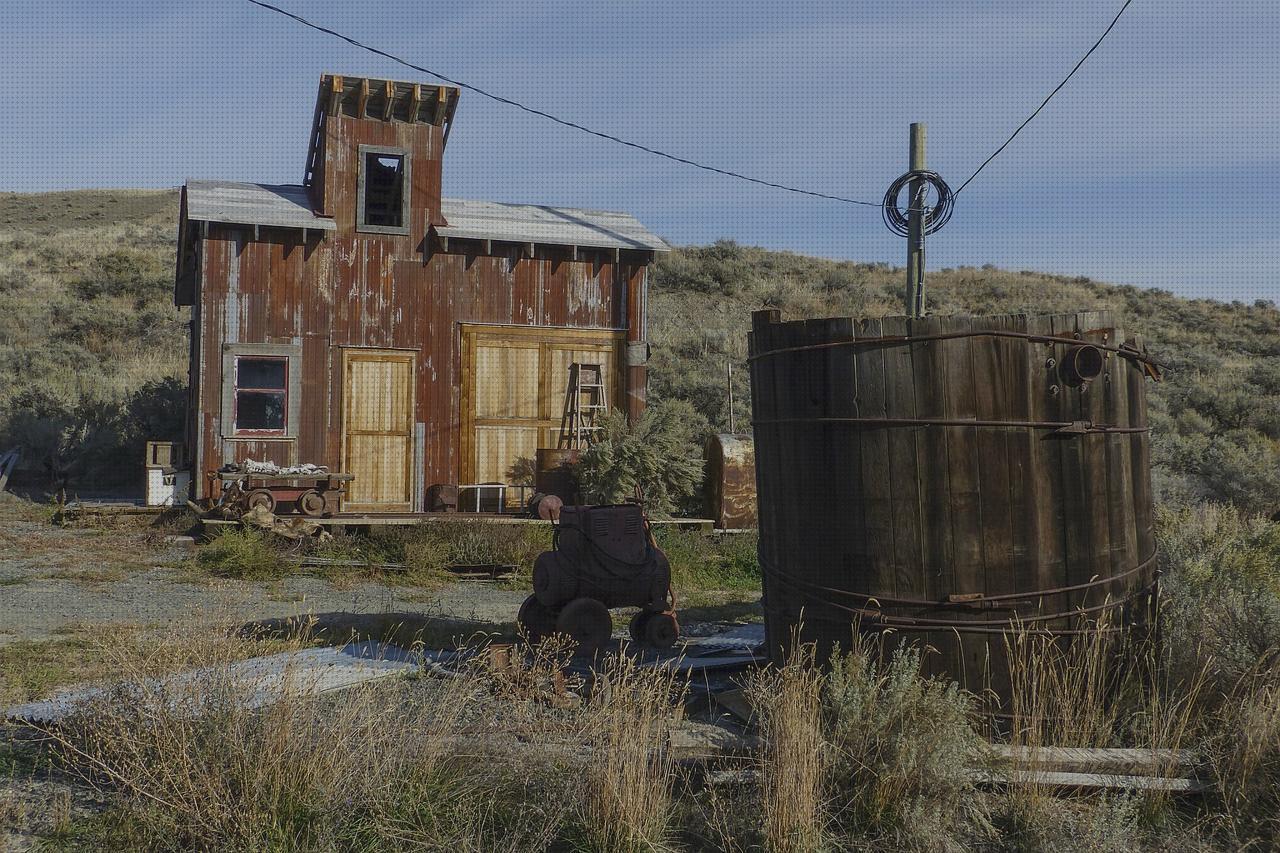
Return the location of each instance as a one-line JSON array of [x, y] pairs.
[[513, 392], [377, 429]]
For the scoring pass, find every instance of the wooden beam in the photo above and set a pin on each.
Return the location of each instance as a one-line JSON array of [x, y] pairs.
[[442, 102], [531, 250], [573, 252], [390, 92], [362, 104], [488, 246], [617, 256], [415, 101], [335, 96]]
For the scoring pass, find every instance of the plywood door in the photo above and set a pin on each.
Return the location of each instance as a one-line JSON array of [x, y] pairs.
[[377, 440], [514, 392]]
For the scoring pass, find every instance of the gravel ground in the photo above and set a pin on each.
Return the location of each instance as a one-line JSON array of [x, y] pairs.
[[55, 580]]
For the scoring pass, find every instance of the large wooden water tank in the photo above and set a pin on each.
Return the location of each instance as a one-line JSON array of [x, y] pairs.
[[933, 479]]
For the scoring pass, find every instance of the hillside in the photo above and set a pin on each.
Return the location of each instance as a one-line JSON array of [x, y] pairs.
[[93, 353]]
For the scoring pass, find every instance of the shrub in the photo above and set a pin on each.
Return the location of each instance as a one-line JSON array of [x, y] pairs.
[[659, 457], [123, 272], [1246, 764], [709, 562], [246, 554], [901, 745], [1220, 591]]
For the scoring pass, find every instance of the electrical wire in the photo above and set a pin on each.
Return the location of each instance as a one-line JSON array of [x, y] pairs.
[[898, 221], [564, 122], [1049, 98]]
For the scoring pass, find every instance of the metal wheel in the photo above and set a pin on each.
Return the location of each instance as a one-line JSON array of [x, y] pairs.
[[260, 498], [638, 623], [586, 621], [313, 503], [537, 620], [661, 630]]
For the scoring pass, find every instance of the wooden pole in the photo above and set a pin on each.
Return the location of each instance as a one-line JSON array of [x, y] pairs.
[[728, 375], [915, 227]]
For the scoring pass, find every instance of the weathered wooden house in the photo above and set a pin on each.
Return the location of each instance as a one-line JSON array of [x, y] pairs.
[[363, 322]]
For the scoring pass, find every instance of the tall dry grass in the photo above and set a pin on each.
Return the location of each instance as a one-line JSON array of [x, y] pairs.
[[788, 702]]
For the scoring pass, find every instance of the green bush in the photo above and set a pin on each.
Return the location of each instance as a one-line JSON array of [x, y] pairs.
[[901, 748], [123, 272], [246, 554], [700, 561], [659, 458], [1220, 592]]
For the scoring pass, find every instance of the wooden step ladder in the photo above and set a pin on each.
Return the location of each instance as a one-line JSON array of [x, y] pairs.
[[585, 401]]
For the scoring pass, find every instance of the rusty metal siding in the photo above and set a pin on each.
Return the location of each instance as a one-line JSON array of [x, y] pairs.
[[354, 289]]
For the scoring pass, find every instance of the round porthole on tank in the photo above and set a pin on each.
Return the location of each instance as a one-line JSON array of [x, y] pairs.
[[1082, 364]]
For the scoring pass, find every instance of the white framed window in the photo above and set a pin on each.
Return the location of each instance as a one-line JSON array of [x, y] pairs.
[[261, 388]]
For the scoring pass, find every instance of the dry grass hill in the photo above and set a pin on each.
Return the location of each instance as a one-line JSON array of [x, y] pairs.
[[93, 353]]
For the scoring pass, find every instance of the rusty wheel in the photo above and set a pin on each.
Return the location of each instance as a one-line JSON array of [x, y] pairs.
[[537, 620], [313, 503], [661, 630], [638, 623], [260, 498], [586, 621]]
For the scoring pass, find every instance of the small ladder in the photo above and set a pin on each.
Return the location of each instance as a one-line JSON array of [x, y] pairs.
[[585, 401]]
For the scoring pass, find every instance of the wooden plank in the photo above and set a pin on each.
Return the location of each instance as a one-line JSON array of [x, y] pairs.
[[1093, 408], [1043, 501], [1128, 761], [389, 95], [876, 572], [1089, 781], [1065, 407], [904, 476], [362, 99], [934, 579]]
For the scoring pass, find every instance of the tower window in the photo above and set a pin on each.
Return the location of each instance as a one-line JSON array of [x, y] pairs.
[[384, 196]]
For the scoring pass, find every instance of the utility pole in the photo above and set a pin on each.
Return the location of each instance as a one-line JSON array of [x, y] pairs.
[[916, 225]]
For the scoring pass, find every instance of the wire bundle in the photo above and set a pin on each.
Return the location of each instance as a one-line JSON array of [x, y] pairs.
[[896, 219]]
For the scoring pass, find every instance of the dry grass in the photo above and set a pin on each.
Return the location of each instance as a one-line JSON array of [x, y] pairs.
[[630, 776], [793, 762]]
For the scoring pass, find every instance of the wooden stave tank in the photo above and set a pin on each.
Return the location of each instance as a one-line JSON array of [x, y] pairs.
[[831, 518]]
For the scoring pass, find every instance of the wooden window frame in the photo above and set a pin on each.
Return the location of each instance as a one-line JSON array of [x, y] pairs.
[[240, 389], [406, 190], [291, 354]]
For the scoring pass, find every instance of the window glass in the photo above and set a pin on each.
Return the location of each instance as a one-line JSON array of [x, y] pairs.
[[260, 410], [261, 394], [261, 373], [384, 190]]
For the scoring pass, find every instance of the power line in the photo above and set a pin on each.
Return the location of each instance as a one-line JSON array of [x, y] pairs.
[[565, 122], [1043, 103]]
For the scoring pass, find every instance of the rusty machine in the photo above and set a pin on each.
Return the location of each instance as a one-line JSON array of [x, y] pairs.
[[603, 557]]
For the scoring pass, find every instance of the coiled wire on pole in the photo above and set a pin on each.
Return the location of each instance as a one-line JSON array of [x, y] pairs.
[[897, 220]]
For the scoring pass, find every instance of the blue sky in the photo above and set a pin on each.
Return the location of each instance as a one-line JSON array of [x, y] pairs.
[[1158, 165]]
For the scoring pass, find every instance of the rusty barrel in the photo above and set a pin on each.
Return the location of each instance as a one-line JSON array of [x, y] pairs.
[[553, 473], [731, 481], [936, 479]]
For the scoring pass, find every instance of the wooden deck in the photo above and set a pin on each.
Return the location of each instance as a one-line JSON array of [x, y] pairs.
[[409, 519]]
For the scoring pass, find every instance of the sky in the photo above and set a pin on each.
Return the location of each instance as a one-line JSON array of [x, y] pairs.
[[1158, 164]]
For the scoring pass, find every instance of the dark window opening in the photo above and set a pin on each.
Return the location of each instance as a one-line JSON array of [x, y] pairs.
[[384, 190], [262, 394]]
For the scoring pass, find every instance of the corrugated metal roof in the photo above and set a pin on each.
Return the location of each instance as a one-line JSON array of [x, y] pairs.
[[282, 206], [288, 206], [528, 223]]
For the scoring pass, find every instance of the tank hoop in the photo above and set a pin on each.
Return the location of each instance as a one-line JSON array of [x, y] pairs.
[[1066, 427], [976, 603], [1122, 351]]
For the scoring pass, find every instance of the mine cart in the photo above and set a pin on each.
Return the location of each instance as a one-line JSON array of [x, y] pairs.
[[317, 495], [604, 557]]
